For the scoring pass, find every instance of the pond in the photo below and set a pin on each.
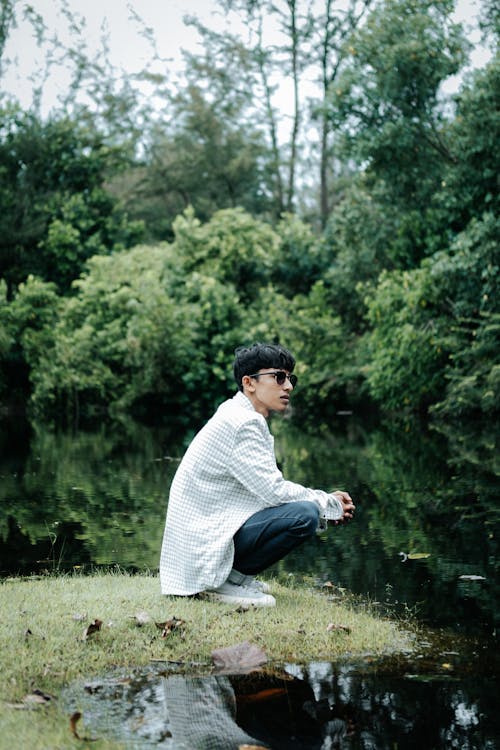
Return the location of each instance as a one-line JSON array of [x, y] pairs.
[[424, 543]]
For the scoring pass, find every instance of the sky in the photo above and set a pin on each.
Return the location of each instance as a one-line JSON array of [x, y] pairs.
[[129, 50]]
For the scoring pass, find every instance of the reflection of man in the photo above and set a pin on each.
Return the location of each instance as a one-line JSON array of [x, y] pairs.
[[201, 713], [231, 514]]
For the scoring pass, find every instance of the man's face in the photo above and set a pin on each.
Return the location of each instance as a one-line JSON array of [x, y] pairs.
[[265, 392]]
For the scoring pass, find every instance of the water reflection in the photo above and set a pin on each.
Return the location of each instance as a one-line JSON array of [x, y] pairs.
[[425, 535], [86, 498], [320, 706], [82, 499], [202, 713]]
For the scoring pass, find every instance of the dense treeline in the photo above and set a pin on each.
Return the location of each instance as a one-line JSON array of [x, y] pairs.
[[138, 248]]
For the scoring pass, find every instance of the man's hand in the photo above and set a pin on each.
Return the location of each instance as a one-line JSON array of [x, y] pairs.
[[347, 505]]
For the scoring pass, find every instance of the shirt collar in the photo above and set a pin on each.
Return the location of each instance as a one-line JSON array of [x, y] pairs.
[[243, 401]]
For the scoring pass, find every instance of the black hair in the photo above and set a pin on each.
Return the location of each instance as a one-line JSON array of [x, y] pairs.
[[250, 359]]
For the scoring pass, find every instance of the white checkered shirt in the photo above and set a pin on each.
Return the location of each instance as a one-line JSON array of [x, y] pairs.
[[228, 473]]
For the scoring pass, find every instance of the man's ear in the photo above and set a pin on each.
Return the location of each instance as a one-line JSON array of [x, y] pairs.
[[247, 383]]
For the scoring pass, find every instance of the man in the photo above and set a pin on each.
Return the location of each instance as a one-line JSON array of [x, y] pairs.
[[231, 514]]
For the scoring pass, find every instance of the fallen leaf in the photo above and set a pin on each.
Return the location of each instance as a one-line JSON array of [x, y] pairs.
[[94, 627], [169, 626], [418, 555], [413, 556], [331, 626], [36, 699], [73, 721], [38, 696], [252, 747], [241, 656]]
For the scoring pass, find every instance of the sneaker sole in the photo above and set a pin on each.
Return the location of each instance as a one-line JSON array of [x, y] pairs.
[[262, 601]]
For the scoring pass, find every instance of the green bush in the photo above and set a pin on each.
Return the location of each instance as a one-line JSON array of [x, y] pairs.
[[26, 330], [434, 337]]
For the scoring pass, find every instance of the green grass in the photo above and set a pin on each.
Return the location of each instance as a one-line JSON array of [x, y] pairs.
[[41, 631]]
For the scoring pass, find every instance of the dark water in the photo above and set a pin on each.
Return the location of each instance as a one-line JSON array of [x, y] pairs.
[[319, 706], [424, 542]]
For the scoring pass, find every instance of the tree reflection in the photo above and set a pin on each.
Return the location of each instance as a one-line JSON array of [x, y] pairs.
[[319, 706], [416, 492], [95, 497]]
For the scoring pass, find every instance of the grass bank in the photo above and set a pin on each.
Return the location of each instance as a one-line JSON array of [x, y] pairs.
[[47, 643]]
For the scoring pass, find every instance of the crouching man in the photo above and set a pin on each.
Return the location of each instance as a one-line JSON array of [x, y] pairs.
[[231, 514]]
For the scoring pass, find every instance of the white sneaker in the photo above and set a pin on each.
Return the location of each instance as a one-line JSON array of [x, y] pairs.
[[231, 593], [240, 579], [253, 583]]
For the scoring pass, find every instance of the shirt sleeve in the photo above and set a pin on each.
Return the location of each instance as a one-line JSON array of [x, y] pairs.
[[253, 464]]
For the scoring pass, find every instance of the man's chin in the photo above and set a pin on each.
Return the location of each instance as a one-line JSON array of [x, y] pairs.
[[284, 408]]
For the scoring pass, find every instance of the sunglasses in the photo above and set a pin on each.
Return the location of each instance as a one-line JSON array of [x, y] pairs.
[[279, 375]]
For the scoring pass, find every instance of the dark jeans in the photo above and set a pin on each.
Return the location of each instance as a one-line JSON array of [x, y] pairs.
[[271, 534]]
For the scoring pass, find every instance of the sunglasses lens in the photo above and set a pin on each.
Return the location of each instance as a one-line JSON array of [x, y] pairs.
[[281, 376]]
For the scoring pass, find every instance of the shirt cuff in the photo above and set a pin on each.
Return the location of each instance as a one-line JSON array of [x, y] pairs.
[[333, 509]]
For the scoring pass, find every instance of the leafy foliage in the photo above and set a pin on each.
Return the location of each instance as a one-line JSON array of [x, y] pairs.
[[26, 324], [205, 155], [56, 212], [470, 185], [111, 336], [387, 107], [387, 100], [395, 299], [439, 323], [149, 328]]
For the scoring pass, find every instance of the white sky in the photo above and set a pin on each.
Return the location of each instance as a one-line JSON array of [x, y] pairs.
[[128, 49]]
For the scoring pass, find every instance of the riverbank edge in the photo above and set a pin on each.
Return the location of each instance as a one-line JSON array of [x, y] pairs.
[[58, 629]]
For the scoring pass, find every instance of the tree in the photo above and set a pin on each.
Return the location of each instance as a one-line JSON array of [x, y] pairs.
[[331, 31], [434, 337], [26, 327], [111, 336], [405, 360], [301, 260], [470, 184], [206, 156], [153, 329], [289, 60], [7, 18], [490, 21], [54, 209], [468, 279], [388, 107], [357, 241]]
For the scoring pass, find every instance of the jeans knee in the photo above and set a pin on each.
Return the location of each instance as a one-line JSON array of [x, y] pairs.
[[309, 517]]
